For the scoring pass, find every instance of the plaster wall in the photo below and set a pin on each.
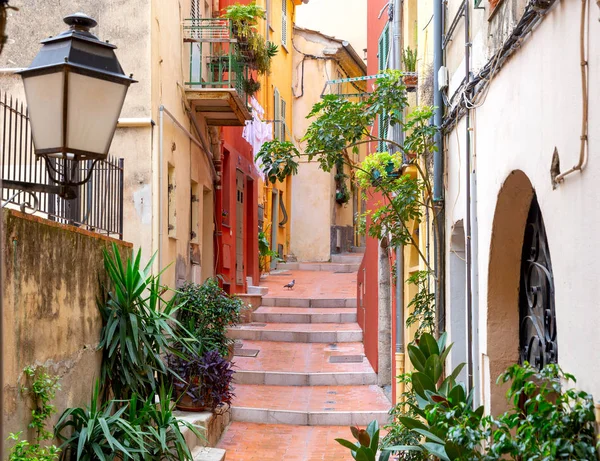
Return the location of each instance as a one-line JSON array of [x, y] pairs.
[[44, 18], [343, 19], [534, 106], [188, 163], [51, 278]]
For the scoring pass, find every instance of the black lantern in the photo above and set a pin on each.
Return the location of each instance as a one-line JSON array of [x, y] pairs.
[[75, 89]]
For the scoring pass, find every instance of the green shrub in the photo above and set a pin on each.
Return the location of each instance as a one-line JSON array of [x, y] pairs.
[[207, 311]]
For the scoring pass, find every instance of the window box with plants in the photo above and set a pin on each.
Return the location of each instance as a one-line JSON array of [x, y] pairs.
[[409, 58]]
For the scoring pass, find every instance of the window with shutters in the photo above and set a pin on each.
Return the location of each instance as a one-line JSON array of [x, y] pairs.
[[383, 52], [282, 124], [277, 114], [284, 22], [195, 9]]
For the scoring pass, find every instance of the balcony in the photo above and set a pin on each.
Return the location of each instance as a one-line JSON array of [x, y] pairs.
[[215, 85]]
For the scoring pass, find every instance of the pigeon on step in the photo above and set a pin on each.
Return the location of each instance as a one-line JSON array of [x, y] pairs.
[[290, 285]]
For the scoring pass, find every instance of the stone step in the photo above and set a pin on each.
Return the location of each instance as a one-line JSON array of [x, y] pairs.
[[304, 315], [257, 290], [210, 426], [208, 454], [303, 364], [310, 405], [298, 332], [347, 258], [282, 378], [320, 266], [280, 301]]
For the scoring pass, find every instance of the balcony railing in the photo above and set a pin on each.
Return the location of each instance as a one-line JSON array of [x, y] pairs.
[[214, 56]]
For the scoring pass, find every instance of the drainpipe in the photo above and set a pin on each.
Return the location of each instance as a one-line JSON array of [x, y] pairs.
[[438, 165], [160, 185], [399, 319], [471, 231]]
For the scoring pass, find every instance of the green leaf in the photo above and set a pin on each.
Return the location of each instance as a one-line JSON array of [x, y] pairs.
[[428, 345], [436, 450], [401, 448], [421, 383], [411, 423], [348, 444], [417, 358], [434, 368], [429, 435], [442, 341]]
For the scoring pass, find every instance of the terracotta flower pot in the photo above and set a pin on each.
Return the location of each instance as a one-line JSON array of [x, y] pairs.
[[184, 402], [411, 80]]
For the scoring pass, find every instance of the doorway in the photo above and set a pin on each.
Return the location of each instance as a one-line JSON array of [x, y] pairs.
[[240, 180]]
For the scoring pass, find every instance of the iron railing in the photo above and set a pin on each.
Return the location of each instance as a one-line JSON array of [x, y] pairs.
[[98, 206], [216, 58]]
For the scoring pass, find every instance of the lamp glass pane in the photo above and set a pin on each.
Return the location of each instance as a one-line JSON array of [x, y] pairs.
[[94, 108], [45, 102]]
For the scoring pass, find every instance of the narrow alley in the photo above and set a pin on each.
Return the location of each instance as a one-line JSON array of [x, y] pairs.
[[302, 377]]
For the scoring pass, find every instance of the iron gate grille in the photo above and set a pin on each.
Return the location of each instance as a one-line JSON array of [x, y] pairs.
[[537, 330], [99, 203]]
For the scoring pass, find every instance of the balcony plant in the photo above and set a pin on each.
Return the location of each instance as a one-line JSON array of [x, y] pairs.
[[409, 58], [201, 379], [252, 48], [206, 311]]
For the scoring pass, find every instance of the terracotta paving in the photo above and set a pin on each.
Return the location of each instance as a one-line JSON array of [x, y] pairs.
[[311, 398], [277, 442], [320, 408], [300, 357], [312, 284]]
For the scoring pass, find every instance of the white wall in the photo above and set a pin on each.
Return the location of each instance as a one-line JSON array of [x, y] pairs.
[[533, 106]]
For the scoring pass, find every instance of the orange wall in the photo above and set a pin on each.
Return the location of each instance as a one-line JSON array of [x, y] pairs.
[[368, 272]]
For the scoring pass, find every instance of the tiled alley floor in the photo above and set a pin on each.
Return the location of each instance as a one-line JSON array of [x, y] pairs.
[[259, 442], [309, 379]]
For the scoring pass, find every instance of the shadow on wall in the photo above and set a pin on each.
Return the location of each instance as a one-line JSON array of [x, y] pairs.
[[52, 276]]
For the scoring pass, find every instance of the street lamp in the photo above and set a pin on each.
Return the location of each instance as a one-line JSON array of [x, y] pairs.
[[75, 89]]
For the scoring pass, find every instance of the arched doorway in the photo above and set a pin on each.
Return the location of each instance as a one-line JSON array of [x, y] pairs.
[[519, 289]]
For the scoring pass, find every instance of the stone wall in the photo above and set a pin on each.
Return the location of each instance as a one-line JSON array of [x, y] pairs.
[[52, 276]]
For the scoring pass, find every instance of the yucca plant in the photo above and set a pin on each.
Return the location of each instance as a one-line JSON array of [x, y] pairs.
[[98, 432], [160, 427], [137, 323]]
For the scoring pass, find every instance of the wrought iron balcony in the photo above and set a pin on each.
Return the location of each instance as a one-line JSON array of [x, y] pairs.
[[215, 84]]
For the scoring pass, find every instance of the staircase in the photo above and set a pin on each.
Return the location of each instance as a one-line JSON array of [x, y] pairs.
[[301, 362]]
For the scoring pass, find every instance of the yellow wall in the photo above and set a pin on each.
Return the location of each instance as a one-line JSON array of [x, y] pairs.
[[280, 79]]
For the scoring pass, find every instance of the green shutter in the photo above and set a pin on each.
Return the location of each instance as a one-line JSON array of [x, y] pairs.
[[277, 115], [383, 51]]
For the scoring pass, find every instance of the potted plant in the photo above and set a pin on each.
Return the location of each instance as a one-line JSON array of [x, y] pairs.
[[201, 380], [251, 86], [207, 311], [252, 48], [409, 58]]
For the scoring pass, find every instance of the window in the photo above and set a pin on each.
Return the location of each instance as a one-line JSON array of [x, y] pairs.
[[284, 22], [172, 206], [282, 124], [277, 115], [194, 213], [195, 9], [383, 51]]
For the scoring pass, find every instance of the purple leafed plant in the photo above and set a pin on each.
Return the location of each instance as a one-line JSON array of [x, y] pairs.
[[205, 379]]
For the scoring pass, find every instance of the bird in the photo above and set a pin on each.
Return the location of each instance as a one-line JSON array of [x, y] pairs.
[[290, 285]]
